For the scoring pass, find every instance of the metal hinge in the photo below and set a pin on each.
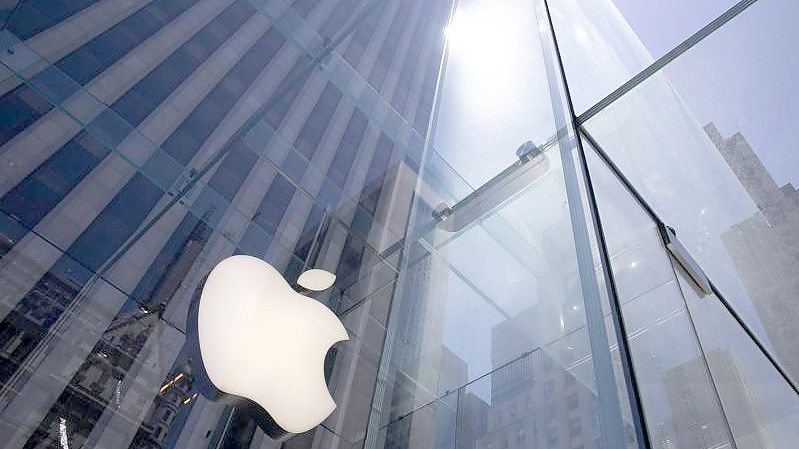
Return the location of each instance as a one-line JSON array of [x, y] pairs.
[[684, 258]]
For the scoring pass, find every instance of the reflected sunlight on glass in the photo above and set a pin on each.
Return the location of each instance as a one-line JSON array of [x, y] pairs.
[[485, 42], [493, 95]]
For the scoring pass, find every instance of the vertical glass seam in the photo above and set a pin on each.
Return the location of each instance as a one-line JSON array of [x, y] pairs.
[[565, 126], [373, 427], [703, 354]]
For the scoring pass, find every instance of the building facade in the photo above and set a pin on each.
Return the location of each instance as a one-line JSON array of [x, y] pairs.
[[149, 91], [502, 286]]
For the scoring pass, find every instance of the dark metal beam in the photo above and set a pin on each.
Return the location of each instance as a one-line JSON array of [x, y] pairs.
[[665, 59]]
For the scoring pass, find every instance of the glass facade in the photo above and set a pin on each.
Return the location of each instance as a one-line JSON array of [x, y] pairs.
[[546, 231]]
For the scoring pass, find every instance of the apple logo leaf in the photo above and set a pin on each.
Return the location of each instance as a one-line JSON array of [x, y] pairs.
[[316, 279], [260, 345]]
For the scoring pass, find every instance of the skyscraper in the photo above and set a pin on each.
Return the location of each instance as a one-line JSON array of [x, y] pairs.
[[113, 108], [488, 181], [768, 269]]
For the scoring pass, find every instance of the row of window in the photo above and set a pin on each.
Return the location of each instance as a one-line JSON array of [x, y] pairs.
[[79, 67], [46, 186], [33, 16], [88, 61]]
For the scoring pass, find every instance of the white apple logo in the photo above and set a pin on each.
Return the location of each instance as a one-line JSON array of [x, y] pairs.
[[262, 342]]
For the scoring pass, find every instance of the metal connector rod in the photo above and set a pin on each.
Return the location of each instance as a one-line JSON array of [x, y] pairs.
[[527, 151], [531, 165]]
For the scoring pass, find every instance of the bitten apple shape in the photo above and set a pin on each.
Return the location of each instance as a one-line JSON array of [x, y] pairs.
[[261, 340]]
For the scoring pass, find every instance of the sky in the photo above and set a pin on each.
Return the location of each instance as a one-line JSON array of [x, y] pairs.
[[662, 25], [740, 77]]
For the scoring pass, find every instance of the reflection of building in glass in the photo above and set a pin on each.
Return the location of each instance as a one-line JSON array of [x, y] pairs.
[[26, 324], [472, 419], [424, 366], [100, 381], [431, 425], [691, 406], [119, 105], [173, 395], [537, 402], [765, 247]]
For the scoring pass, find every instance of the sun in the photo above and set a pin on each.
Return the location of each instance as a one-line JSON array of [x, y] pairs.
[[487, 48]]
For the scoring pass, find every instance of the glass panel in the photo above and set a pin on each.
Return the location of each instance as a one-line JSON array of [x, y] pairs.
[[599, 48], [491, 270], [92, 361], [662, 26], [604, 43], [486, 110], [729, 197], [532, 401], [442, 202], [431, 425], [759, 113], [762, 410], [680, 403]]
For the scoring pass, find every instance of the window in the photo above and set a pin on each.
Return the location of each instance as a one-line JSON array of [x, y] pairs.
[[116, 222], [274, 204], [314, 128], [278, 110], [33, 16], [88, 61], [138, 102], [233, 171], [18, 109], [347, 149]]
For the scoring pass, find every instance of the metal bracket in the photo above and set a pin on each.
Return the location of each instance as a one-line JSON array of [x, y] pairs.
[[530, 165], [684, 258]]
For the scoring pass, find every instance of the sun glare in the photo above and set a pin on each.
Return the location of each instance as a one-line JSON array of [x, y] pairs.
[[485, 42]]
